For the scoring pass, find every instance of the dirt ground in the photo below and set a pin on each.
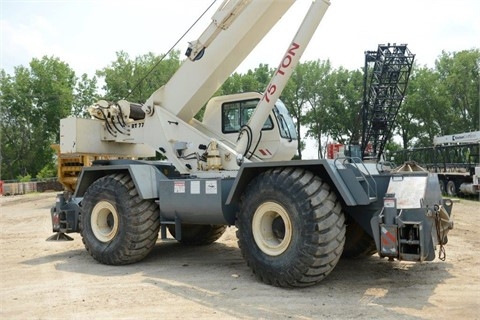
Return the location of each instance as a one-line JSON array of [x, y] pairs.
[[59, 280]]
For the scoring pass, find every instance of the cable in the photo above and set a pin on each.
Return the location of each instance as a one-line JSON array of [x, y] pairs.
[[169, 50], [256, 146], [107, 125], [112, 119], [248, 131], [120, 118], [442, 255]]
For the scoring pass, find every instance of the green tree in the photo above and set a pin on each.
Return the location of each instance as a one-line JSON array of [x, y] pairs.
[[49, 171], [441, 101], [15, 121], [459, 75], [345, 100], [85, 95], [316, 91], [32, 102], [420, 117], [295, 98], [137, 79], [232, 85], [255, 80]]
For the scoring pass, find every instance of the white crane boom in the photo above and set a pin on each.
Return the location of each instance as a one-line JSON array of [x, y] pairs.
[[282, 74], [236, 28], [165, 122]]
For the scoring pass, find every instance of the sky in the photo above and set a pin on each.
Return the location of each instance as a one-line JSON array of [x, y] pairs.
[[87, 34]]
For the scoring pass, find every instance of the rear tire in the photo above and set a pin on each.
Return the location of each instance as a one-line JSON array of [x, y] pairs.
[[441, 183], [358, 243], [291, 228], [117, 226], [198, 235], [451, 189]]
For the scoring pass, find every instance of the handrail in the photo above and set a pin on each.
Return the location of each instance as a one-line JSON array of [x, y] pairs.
[[366, 175]]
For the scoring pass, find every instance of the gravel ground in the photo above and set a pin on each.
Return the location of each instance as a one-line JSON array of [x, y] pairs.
[[59, 280]]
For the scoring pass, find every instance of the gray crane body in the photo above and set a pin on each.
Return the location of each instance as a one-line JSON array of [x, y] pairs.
[[294, 218]]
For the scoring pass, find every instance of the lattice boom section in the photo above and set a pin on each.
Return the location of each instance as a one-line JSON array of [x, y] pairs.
[[385, 87]]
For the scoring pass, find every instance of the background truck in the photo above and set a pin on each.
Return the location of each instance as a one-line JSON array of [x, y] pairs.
[[458, 163], [294, 219], [455, 159]]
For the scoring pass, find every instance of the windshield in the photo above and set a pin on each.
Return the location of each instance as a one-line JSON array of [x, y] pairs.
[[285, 121], [236, 114]]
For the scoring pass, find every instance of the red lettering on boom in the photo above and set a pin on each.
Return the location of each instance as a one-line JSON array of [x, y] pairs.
[[294, 46], [288, 58], [270, 91]]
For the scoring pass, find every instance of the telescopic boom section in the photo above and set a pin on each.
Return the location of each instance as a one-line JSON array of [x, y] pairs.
[[249, 137], [236, 28]]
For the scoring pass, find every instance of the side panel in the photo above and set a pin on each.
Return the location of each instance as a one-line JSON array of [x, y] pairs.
[[196, 201], [363, 214]]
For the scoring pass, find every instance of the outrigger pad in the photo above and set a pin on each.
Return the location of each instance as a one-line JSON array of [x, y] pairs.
[[59, 236]]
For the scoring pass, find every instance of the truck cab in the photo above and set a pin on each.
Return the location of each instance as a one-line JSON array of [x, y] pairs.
[[228, 115]]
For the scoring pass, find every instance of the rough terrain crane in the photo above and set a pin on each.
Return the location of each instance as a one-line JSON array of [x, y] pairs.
[[234, 168]]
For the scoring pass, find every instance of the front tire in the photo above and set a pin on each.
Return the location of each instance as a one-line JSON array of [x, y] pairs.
[[117, 226], [291, 227]]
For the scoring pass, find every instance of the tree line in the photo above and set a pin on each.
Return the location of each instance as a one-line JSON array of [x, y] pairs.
[[324, 101]]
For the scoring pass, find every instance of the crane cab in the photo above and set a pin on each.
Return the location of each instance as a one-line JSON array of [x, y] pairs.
[[227, 115]]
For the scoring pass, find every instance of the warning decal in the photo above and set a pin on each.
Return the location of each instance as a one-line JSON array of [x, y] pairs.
[[195, 187], [211, 187], [389, 241], [179, 187]]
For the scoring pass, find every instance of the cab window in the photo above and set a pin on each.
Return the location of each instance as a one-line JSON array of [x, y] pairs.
[[236, 114]]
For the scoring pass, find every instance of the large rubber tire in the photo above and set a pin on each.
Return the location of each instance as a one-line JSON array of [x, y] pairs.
[[451, 189], [117, 226], [291, 228], [358, 243], [441, 184], [198, 235]]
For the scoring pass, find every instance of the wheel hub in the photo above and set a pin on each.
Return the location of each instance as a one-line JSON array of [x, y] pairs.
[[104, 221], [278, 228], [272, 228]]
